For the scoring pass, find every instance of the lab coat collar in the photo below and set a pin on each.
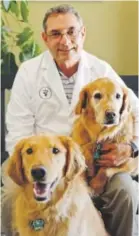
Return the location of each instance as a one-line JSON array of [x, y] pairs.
[[83, 77]]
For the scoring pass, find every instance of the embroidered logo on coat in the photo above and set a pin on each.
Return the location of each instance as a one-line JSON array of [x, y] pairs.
[[45, 93]]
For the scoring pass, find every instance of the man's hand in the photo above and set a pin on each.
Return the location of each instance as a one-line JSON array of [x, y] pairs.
[[113, 154]]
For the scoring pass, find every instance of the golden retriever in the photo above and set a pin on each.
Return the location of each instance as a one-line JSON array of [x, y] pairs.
[[104, 114], [52, 198]]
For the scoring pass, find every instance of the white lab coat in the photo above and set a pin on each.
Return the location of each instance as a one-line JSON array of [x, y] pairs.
[[38, 103]]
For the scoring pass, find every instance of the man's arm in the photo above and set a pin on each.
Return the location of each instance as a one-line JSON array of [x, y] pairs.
[[135, 109], [19, 117]]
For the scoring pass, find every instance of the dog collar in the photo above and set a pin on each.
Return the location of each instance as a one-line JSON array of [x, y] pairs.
[[97, 151], [37, 224]]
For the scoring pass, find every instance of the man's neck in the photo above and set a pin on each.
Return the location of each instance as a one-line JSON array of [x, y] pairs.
[[68, 69]]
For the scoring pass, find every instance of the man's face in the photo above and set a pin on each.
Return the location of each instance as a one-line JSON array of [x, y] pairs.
[[64, 37]]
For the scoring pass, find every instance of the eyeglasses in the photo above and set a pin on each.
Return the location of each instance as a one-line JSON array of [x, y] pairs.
[[72, 33]]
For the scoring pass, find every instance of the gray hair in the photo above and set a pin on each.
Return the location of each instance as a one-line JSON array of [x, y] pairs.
[[61, 9]]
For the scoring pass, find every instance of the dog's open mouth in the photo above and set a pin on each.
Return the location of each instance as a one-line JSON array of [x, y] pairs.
[[43, 191]]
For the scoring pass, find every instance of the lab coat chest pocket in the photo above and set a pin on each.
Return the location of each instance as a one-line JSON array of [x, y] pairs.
[[46, 103]]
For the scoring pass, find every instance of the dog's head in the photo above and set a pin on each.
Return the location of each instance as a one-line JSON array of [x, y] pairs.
[[43, 161], [105, 100]]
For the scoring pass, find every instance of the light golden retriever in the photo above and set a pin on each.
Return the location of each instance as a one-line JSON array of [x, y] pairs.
[[104, 115], [52, 198]]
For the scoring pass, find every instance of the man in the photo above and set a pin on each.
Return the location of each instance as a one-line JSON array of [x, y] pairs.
[[44, 95]]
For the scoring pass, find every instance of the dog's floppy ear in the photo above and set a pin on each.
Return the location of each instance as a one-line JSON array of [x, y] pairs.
[[15, 168], [125, 109], [75, 161], [82, 103]]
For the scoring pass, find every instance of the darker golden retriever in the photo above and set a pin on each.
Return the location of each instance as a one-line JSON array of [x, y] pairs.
[[104, 114], [52, 199]]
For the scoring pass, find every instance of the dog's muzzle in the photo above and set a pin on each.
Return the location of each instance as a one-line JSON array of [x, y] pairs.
[[41, 188], [110, 117]]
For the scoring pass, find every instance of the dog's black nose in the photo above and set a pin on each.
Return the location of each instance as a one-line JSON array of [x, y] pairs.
[[38, 173], [110, 115]]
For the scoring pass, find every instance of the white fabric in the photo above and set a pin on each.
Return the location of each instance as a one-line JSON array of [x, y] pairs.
[[38, 102]]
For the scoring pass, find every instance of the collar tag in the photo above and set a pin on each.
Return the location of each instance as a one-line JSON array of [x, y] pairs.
[[97, 151], [37, 224]]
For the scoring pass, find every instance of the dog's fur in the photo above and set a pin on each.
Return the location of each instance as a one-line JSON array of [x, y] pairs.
[[65, 205], [91, 127]]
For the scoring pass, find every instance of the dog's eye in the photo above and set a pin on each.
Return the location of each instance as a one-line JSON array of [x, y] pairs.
[[98, 96], [55, 150], [29, 151], [118, 95]]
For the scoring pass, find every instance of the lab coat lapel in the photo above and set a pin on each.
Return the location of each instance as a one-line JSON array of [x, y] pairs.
[[83, 77], [53, 78]]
